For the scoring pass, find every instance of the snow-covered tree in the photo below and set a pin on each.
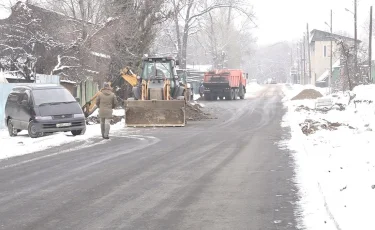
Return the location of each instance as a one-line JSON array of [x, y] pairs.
[[25, 47]]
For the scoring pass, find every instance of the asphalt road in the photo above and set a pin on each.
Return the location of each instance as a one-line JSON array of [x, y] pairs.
[[225, 173]]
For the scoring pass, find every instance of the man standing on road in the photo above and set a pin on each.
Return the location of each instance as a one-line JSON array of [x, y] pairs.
[[201, 89], [106, 102]]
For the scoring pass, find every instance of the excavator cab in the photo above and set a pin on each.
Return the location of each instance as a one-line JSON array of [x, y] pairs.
[[159, 95]]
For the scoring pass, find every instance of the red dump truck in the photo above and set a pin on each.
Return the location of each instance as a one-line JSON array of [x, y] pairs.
[[225, 83]]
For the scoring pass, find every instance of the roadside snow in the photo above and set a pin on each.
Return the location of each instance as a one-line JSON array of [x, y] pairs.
[[253, 87], [23, 144], [335, 169], [116, 112]]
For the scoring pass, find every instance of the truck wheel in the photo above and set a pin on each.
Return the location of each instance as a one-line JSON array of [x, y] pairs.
[[233, 92], [229, 96]]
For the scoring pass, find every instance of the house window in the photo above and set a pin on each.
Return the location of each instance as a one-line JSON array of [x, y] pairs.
[[325, 51]]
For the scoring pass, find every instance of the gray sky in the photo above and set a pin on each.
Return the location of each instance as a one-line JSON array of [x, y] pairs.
[[281, 20], [286, 19]]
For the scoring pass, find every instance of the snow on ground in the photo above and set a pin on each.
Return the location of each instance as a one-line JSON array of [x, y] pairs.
[[23, 144], [253, 87], [116, 112], [335, 170]]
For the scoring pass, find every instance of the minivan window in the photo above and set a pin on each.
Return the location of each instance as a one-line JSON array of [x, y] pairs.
[[46, 96], [13, 98]]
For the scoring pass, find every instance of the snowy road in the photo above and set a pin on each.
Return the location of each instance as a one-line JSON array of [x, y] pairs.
[[225, 173]]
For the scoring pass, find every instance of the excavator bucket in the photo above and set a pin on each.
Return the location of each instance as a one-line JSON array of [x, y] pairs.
[[155, 113]]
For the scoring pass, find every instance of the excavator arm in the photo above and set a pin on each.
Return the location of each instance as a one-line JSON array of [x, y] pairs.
[[126, 74]]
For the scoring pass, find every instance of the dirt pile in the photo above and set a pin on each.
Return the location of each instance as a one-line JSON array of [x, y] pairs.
[[307, 94], [194, 112], [310, 126]]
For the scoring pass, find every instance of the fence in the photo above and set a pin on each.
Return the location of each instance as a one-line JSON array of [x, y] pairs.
[[5, 89], [86, 90]]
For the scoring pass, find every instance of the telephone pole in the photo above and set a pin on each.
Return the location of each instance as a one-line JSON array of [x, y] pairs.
[[308, 52], [355, 39], [370, 45], [304, 59], [302, 67]]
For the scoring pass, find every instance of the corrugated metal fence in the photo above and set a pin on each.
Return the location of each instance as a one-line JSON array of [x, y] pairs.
[[86, 90], [5, 89]]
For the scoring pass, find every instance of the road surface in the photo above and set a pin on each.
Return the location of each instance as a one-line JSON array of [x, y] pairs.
[[224, 173]]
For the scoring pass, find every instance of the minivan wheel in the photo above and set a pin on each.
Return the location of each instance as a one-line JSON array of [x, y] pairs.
[[33, 131], [78, 132], [12, 131]]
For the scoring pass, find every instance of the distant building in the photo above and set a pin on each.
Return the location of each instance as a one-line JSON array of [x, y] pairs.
[[320, 47]]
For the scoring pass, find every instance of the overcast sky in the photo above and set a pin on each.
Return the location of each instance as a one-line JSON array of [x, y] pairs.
[[280, 20]]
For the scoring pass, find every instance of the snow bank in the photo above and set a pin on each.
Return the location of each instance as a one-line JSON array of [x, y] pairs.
[[335, 170], [23, 144]]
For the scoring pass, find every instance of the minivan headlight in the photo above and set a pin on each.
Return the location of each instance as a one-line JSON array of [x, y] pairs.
[[43, 118], [80, 115]]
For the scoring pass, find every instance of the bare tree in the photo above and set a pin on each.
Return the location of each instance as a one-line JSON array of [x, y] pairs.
[[187, 13]]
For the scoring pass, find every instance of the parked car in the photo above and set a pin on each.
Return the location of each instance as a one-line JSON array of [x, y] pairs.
[[43, 109]]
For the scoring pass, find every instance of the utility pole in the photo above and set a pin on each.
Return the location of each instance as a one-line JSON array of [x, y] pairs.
[[304, 59], [308, 52], [370, 45], [302, 67], [330, 59], [355, 39], [298, 65]]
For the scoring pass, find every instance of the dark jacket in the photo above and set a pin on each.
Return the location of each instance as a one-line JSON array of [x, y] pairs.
[[106, 102], [201, 89]]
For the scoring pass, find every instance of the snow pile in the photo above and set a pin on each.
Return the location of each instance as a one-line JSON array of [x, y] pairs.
[[23, 144], [335, 163]]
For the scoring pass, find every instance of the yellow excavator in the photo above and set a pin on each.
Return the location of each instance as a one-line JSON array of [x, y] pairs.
[[159, 95]]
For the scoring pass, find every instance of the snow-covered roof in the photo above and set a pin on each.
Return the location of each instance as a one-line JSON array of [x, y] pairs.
[[199, 67], [3, 77], [17, 77], [324, 76], [68, 81]]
